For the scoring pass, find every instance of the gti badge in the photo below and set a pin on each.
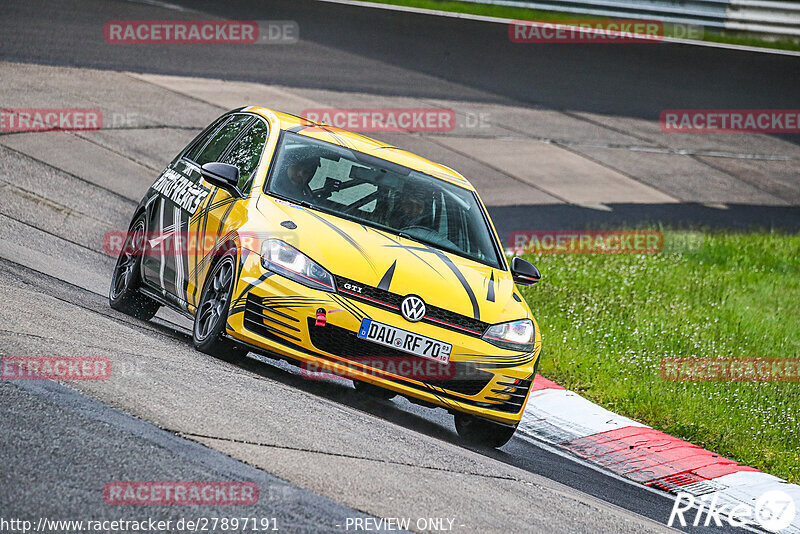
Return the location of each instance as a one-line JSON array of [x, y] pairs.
[[412, 308]]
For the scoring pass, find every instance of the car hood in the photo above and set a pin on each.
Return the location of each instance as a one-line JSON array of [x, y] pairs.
[[402, 266]]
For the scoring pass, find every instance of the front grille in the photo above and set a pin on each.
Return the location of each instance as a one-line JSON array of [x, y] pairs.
[[461, 378], [391, 302]]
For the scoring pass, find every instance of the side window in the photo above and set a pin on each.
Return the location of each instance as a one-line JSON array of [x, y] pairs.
[[212, 149], [246, 153], [202, 138]]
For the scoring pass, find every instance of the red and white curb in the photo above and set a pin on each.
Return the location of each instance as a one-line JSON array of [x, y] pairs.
[[642, 454]]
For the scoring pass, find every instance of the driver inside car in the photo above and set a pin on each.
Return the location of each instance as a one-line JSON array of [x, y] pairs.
[[294, 182], [411, 209]]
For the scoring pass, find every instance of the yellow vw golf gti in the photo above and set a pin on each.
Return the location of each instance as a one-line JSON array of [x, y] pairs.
[[343, 255]]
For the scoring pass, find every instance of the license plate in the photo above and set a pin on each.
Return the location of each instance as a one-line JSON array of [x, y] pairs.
[[404, 340]]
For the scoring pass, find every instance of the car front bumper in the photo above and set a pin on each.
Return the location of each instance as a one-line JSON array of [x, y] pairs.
[[276, 315]]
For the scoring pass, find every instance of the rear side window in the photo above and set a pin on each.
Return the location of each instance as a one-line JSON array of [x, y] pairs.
[[246, 153], [212, 148]]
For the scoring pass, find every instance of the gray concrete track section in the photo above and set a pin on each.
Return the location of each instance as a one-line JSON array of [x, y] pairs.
[[60, 448]]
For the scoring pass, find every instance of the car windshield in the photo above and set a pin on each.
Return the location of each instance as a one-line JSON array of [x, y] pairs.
[[379, 193]]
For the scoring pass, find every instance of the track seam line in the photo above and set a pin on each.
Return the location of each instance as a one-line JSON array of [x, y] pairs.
[[55, 235], [340, 455], [178, 327], [104, 129], [653, 149], [75, 176], [504, 173], [113, 151], [47, 338], [697, 157], [658, 144], [582, 156], [567, 147], [136, 76]]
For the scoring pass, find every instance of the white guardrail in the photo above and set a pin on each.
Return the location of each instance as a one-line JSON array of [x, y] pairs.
[[771, 17]]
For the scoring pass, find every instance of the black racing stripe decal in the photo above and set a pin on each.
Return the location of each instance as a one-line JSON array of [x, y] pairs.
[[490, 293], [201, 229], [506, 365], [355, 312], [300, 128], [346, 237], [294, 298], [211, 255], [251, 285], [386, 281], [359, 310], [342, 141], [476, 312], [211, 205], [410, 250], [225, 217]]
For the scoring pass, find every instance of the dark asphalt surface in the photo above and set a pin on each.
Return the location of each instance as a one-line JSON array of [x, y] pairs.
[[59, 448], [420, 55]]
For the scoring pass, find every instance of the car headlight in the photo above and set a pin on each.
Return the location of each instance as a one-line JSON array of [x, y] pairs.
[[515, 335], [287, 261]]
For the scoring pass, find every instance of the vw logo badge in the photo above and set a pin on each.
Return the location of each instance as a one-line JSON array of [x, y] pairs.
[[412, 308]]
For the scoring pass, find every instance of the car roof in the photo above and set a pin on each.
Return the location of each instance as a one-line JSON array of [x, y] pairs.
[[361, 143]]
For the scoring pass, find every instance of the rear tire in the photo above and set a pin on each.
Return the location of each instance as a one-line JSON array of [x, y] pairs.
[[123, 295], [483, 433], [374, 391], [212, 312]]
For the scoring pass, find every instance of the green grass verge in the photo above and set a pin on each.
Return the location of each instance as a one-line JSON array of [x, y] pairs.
[[608, 320], [518, 13]]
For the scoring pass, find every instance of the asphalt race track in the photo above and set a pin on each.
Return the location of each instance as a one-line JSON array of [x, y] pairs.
[[321, 453]]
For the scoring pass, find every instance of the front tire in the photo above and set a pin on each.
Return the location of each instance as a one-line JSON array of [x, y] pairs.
[[483, 433], [212, 312], [123, 295]]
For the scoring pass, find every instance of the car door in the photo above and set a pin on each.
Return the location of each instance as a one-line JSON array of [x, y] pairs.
[[172, 215], [224, 212]]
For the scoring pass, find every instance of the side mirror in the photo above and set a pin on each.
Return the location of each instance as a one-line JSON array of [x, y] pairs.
[[222, 175], [524, 272]]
